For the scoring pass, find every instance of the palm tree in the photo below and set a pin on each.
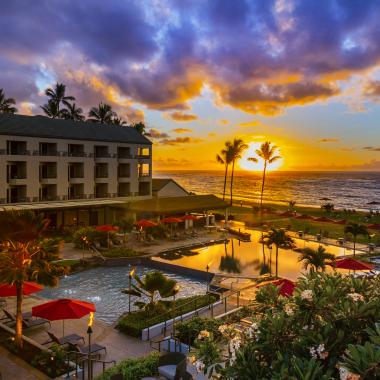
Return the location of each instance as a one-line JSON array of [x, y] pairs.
[[58, 95], [72, 112], [355, 229], [23, 258], [316, 258], [119, 121], [102, 114], [140, 127], [237, 147], [267, 153], [224, 158], [6, 104], [279, 238], [52, 110], [152, 284]]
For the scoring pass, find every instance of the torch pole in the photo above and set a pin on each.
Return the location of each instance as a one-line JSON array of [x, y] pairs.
[[129, 295], [89, 332]]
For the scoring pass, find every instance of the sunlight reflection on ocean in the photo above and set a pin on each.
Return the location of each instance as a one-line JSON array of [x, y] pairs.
[[345, 189]]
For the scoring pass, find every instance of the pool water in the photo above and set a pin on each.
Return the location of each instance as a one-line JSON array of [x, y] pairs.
[[103, 285], [237, 258]]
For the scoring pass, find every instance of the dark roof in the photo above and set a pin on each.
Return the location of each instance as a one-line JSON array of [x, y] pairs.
[[177, 205], [160, 183], [41, 126]]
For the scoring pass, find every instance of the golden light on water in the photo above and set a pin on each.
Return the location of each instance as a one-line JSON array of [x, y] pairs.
[[246, 164]]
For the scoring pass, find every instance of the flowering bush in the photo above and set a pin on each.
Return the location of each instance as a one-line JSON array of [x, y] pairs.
[[328, 329]]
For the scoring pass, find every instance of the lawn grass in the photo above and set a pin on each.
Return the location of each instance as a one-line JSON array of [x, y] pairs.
[[132, 324]]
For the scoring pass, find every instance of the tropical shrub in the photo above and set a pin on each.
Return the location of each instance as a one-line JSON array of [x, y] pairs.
[[327, 329], [133, 369], [85, 237], [120, 252]]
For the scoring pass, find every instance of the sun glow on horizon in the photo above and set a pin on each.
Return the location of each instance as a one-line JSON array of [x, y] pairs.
[[246, 164]]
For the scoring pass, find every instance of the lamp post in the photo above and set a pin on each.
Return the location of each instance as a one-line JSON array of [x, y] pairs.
[[130, 284], [89, 332], [207, 270]]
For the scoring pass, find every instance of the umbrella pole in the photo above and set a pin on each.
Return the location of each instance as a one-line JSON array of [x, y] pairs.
[[63, 328]]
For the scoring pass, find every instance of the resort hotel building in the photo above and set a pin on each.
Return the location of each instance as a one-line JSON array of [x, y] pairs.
[[83, 173]]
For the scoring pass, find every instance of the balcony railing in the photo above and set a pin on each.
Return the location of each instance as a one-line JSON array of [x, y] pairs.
[[49, 198], [126, 156], [21, 152], [143, 156]]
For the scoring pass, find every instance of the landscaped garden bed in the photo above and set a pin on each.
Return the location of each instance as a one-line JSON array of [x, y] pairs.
[[133, 323]]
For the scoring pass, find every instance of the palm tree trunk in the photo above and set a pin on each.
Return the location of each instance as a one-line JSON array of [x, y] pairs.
[[262, 185], [232, 181], [225, 181], [276, 261], [18, 329]]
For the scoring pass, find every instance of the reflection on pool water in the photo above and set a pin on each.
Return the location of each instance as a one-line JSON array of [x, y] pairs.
[[102, 286], [245, 258]]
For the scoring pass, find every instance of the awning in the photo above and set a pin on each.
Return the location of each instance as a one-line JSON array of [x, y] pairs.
[[178, 205]]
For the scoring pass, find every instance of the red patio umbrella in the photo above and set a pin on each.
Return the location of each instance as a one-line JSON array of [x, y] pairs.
[[374, 226], [171, 219], [286, 286], [63, 308], [188, 217], [303, 217], [7, 290], [143, 223], [107, 228], [352, 264]]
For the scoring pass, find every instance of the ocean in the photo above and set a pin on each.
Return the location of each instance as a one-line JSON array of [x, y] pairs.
[[353, 190]]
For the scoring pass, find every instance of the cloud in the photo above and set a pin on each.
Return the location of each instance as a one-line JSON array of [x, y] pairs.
[[180, 140], [182, 130], [224, 121], [253, 123], [328, 140], [181, 116], [371, 148], [256, 56], [156, 134]]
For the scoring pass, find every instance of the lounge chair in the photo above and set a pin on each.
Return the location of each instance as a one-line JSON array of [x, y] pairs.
[[72, 339], [12, 318], [85, 350], [172, 365]]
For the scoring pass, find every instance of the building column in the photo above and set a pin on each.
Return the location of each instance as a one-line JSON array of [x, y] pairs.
[[226, 216], [207, 218]]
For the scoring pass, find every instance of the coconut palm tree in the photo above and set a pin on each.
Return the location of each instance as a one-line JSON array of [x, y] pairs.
[[267, 154], [151, 286], [237, 147], [58, 95], [72, 112], [52, 110], [316, 258], [140, 127], [6, 104], [23, 258], [355, 229], [224, 158], [279, 238], [103, 114], [119, 121]]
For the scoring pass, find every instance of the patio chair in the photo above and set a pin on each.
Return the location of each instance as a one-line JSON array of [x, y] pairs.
[[85, 350], [172, 365], [12, 318], [27, 322], [67, 339]]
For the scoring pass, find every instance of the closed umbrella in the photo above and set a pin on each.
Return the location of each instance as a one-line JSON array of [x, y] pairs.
[[286, 286], [188, 217], [352, 264], [7, 290], [63, 308]]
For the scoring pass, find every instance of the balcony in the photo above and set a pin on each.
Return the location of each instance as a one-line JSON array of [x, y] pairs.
[[143, 156], [17, 180], [49, 198]]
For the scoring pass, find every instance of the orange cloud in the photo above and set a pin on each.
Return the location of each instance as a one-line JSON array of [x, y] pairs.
[[179, 140], [328, 140], [182, 130], [181, 116], [253, 123]]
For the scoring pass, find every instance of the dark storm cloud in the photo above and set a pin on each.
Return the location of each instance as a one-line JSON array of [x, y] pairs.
[[260, 56]]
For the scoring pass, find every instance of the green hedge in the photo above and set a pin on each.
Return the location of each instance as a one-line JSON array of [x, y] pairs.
[[120, 252], [134, 369], [132, 324]]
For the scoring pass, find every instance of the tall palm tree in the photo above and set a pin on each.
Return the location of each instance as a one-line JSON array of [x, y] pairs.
[[267, 154], [72, 112], [58, 95], [52, 110], [237, 148], [316, 258], [6, 104], [224, 158], [279, 238], [140, 127], [103, 114], [119, 121], [355, 229], [23, 258]]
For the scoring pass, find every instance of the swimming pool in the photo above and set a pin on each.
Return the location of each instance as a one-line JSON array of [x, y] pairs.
[[238, 258], [102, 286]]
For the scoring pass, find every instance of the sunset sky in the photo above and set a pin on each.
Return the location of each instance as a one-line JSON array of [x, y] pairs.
[[304, 74]]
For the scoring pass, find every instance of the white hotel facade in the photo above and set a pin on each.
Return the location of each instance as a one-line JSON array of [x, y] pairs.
[[76, 172]]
